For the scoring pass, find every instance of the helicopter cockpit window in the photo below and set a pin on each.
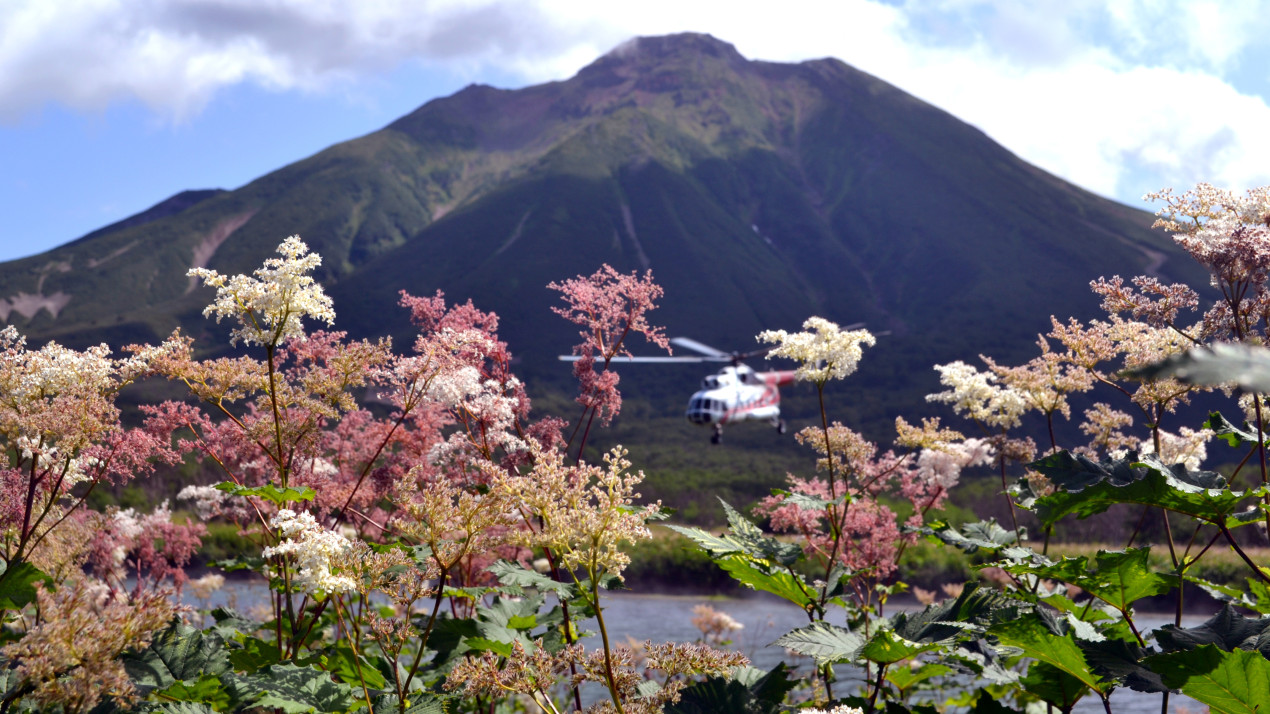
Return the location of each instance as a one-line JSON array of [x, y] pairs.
[[711, 382]]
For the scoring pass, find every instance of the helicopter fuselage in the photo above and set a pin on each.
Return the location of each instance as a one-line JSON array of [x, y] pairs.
[[738, 393]]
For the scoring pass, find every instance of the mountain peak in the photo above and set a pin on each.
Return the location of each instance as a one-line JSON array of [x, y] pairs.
[[643, 52]]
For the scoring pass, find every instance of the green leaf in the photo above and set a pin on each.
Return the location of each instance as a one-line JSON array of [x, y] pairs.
[[207, 689], [180, 652], [973, 537], [1031, 634], [1053, 685], [269, 492], [17, 584], [254, 654], [988, 704], [295, 690], [824, 642], [345, 665], [1121, 660], [1117, 577], [745, 538], [1085, 488], [758, 575], [886, 647], [1211, 366], [973, 610], [482, 644], [750, 692], [1223, 429], [417, 703], [509, 573], [175, 708], [905, 678], [1236, 682], [1227, 630]]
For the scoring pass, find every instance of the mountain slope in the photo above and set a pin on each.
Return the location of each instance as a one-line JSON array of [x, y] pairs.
[[758, 193]]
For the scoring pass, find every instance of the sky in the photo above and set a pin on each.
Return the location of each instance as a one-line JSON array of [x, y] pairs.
[[110, 106]]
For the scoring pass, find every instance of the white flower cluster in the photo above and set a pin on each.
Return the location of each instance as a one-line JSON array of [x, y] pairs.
[[976, 394], [450, 387], [313, 547], [840, 709], [49, 460], [825, 351], [53, 370], [269, 306], [1188, 447], [207, 499], [942, 467]]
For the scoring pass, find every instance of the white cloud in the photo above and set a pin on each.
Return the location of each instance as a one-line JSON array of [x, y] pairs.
[[1101, 94]]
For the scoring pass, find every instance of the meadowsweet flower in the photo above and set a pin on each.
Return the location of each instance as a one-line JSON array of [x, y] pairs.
[[71, 659], [1103, 426], [942, 467], [825, 351], [586, 511], [268, 307], [207, 500], [977, 395], [715, 625], [610, 307], [313, 548], [840, 709], [1187, 447], [1226, 232], [204, 587]]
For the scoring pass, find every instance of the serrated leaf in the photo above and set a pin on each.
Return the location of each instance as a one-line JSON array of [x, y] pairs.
[[744, 538], [269, 492], [509, 573], [483, 644], [1053, 685], [295, 690], [1233, 435], [254, 654], [1035, 637], [175, 708], [810, 503], [751, 691], [1144, 481], [1121, 660], [984, 660], [973, 610], [1212, 365], [905, 678], [417, 703], [823, 642], [1118, 578], [886, 647], [759, 576], [180, 652], [353, 670], [1227, 630], [207, 689], [1236, 682], [973, 537]]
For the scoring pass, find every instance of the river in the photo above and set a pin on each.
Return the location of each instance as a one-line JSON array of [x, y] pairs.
[[662, 618]]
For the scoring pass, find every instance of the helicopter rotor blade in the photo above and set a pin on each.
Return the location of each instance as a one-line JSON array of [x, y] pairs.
[[695, 346], [655, 360]]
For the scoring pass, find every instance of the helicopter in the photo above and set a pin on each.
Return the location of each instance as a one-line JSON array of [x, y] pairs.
[[736, 393]]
